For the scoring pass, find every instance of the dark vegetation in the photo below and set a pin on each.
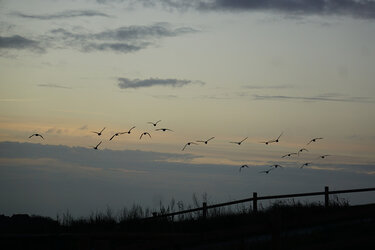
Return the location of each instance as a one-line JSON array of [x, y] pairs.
[[282, 225]]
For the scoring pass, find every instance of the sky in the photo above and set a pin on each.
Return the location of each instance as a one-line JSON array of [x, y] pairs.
[[206, 68]]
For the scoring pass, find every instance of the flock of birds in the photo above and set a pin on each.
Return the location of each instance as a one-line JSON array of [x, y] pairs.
[[154, 124], [301, 150]]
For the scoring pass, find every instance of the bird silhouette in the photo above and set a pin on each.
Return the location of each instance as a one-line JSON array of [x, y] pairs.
[[288, 155], [277, 139], [266, 171], [187, 144], [98, 133], [277, 166], [205, 142], [314, 140], [96, 147], [267, 142], [323, 156], [164, 129], [154, 123], [144, 133], [117, 134], [301, 150], [36, 135], [129, 131], [305, 164], [243, 166], [239, 142]]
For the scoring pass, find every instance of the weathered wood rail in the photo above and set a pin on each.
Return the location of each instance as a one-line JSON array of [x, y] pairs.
[[257, 198]]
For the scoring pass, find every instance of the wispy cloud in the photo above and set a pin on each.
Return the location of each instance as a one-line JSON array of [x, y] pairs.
[[364, 9], [268, 86], [50, 85], [63, 14], [323, 97], [18, 42], [124, 39], [84, 127], [126, 83]]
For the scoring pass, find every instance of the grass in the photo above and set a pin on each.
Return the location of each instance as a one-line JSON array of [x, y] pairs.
[[285, 224]]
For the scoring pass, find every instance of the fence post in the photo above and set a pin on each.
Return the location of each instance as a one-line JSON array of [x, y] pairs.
[[204, 210], [326, 196], [255, 202]]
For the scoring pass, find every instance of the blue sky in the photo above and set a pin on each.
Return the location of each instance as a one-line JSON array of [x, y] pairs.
[[215, 68]]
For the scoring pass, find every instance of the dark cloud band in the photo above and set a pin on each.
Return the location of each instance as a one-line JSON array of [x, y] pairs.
[[18, 42], [64, 14], [326, 98], [364, 9], [125, 83]]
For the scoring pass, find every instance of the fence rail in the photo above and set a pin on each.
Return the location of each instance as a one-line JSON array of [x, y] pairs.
[[256, 198]]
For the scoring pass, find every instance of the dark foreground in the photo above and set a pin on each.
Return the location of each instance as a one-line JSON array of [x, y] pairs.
[[280, 227]]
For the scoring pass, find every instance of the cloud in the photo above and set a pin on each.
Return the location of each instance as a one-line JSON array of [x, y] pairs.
[[364, 9], [125, 39], [268, 87], [58, 178], [19, 42], [84, 127], [324, 97], [64, 14], [126, 83], [50, 85]]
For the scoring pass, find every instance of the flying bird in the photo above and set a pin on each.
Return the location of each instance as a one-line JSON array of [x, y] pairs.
[[266, 171], [98, 133], [277, 139], [305, 164], [301, 150], [187, 144], [117, 134], [314, 140], [154, 123], [277, 166], [164, 129], [96, 147], [239, 142], [128, 132], [267, 142], [36, 135], [288, 155], [144, 133], [323, 156], [243, 166], [205, 142]]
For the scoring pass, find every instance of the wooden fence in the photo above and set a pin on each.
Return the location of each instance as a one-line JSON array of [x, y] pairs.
[[257, 198]]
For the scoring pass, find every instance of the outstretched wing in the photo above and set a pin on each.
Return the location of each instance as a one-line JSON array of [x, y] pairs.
[[244, 140], [102, 130], [112, 137], [184, 147], [280, 135], [210, 138], [131, 128]]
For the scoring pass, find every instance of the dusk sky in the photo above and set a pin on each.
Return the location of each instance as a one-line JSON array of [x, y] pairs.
[[205, 68]]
